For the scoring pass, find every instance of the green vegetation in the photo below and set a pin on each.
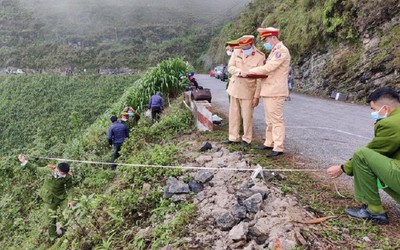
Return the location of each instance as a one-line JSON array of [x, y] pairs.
[[306, 25], [94, 34], [45, 112], [110, 206]]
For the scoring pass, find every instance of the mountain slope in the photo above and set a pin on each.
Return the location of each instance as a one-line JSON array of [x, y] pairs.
[[350, 46]]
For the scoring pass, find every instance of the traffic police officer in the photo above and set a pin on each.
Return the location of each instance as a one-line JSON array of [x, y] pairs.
[[274, 89], [244, 92]]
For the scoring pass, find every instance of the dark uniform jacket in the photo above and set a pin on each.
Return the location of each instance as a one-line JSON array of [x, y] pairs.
[[117, 133]]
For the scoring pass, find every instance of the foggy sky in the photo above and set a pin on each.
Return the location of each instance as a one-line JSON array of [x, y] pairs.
[[81, 16]]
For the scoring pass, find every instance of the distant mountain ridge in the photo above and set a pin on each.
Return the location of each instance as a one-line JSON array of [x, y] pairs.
[[43, 34]]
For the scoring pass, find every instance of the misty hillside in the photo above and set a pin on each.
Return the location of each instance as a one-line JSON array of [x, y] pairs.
[[37, 34]]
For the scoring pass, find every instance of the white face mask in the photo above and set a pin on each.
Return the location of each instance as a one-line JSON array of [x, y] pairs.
[[229, 52], [58, 175]]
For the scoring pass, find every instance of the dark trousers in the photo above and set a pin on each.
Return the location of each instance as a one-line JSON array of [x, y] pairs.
[[155, 113], [117, 148]]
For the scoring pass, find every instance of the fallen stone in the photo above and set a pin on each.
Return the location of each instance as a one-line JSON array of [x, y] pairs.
[[203, 159], [366, 239], [195, 186], [146, 187], [144, 233], [238, 212], [239, 231], [204, 176], [179, 197], [238, 245], [226, 221], [201, 196], [258, 236], [177, 187], [167, 194], [253, 203]]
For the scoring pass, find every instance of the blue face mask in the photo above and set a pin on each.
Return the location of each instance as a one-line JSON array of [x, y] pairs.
[[375, 115], [248, 52], [267, 46]]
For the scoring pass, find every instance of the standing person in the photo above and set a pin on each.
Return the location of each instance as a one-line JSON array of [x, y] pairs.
[[156, 105], [290, 83], [244, 92], [377, 164], [230, 46], [117, 133], [54, 193], [274, 89]]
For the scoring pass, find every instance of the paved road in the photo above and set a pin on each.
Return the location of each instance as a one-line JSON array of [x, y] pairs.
[[324, 131]]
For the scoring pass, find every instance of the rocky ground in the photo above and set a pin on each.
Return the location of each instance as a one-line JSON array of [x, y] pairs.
[[236, 211]]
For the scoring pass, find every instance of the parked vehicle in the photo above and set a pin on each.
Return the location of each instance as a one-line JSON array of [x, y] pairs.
[[212, 73], [225, 74], [219, 71]]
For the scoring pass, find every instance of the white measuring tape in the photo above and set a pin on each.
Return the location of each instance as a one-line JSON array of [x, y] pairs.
[[180, 167]]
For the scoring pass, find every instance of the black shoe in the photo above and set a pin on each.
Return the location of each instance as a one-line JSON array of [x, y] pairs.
[[364, 213], [263, 147], [244, 144], [274, 154], [229, 142]]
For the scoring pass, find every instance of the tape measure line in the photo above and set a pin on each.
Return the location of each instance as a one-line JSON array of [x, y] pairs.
[[181, 167]]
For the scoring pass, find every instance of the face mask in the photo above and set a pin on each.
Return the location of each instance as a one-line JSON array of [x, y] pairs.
[[229, 53], [57, 176], [267, 46], [375, 115], [248, 52]]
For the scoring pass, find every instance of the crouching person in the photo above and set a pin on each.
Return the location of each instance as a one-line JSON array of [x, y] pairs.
[[378, 164], [54, 193]]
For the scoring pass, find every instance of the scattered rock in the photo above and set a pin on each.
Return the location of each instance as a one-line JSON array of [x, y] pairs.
[[258, 236], [167, 194], [253, 203], [201, 196], [204, 176], [238, 212], [239, 231], [203, 159], [226, 221], [195, 186], [177, 187], [238, 245], [179, 197], [146, 187], [366, 239], [144, 233]]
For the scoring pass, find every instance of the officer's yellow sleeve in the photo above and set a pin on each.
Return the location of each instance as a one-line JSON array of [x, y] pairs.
[[232, 67], [271, 65]]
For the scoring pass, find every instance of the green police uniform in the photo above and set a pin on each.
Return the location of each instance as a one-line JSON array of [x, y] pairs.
[[380, 159], [54, 194]]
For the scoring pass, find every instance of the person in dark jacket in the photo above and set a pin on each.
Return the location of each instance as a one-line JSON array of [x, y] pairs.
[[156, 105], [117, 134]]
